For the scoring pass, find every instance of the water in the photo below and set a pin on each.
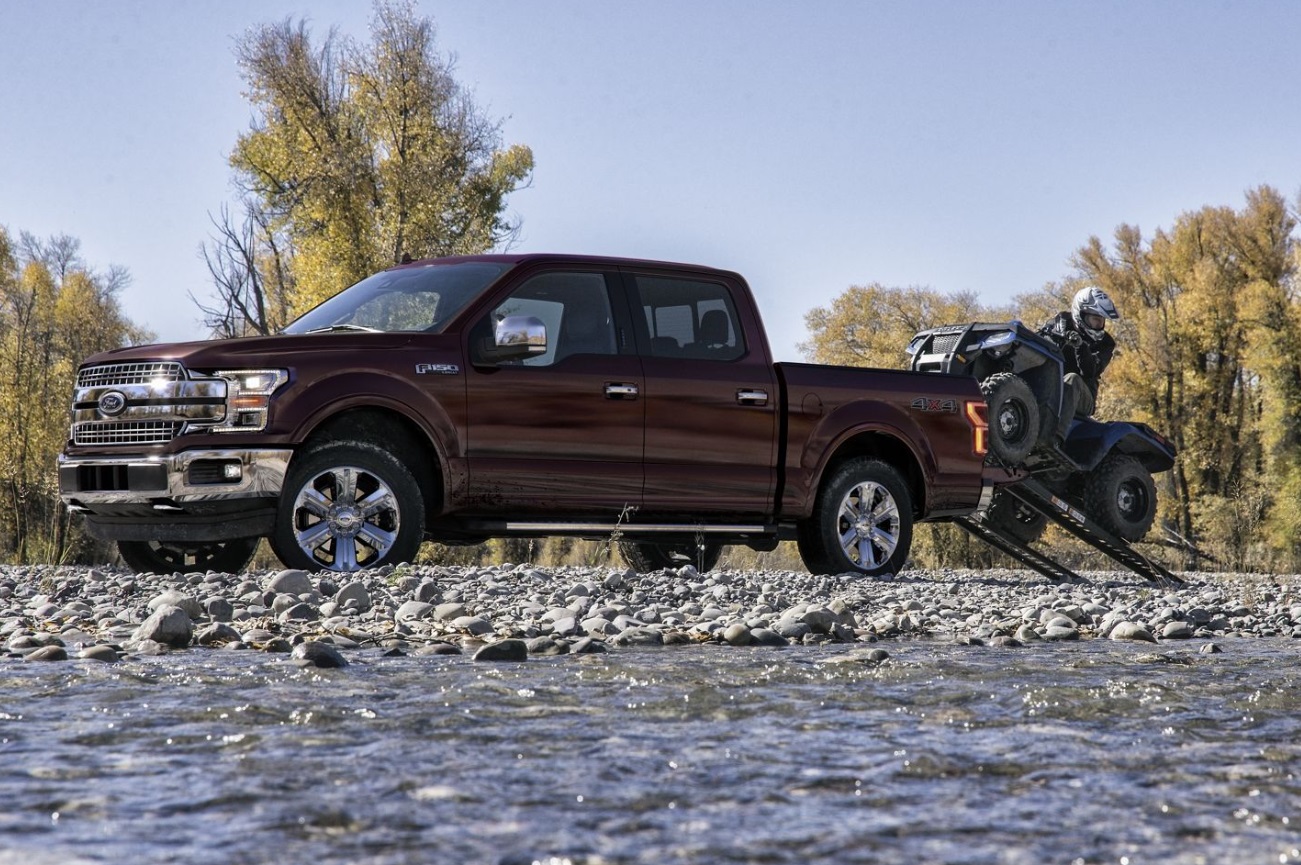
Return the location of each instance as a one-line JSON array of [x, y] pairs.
[[1093, 752]]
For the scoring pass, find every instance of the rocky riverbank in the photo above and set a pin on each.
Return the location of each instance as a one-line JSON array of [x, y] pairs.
[[508, 612]]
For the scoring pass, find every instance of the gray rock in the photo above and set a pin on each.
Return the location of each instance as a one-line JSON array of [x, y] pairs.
[[300, 612], [1055, 633], [102, 652], [639, 636], [315, 653], [219, 609], [1131, 631], [1210, 649], [173, 598], [475, 626], [1177, 631], [413, 611], [449, 612], [216, 634], [738, 635], [290, 582], [354, 592], [47, 653], [587, 646], [768, 637], [168, 625], [503, 650]]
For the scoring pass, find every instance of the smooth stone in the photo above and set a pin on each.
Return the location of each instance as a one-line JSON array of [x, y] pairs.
[[315, 653], [300, 612], [587, 646], [216, 634], [219, 609], [1056, 633], [290, 582], [168, 625], [356, 592], [503, 650], [173, 598], [1177, 631], [638, 637], [449, 611], [767, 637], [101, 652], [1211, 649], [738, 635], [474, 625], [47, 653], [1132, 631]]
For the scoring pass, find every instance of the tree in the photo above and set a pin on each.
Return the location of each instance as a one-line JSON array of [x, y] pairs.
[[358, 157], [54, 311], [870, 325]]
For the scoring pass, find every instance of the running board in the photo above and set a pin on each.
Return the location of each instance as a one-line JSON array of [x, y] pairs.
[[560, 528]]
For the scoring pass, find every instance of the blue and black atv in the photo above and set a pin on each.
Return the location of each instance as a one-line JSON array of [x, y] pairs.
[[1104, 468]]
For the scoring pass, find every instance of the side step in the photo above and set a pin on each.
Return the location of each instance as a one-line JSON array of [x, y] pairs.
[[1037, 496]]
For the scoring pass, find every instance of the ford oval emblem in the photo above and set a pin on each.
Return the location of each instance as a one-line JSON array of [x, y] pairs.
[[112, 404]]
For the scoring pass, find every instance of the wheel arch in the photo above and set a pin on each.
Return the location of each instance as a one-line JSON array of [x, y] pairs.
[[885, 446], [392, 430]]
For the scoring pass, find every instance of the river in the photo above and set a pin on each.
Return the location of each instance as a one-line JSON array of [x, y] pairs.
[[1081, 752]]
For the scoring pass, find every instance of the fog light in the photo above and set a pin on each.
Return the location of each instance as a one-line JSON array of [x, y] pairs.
[[232, 471]]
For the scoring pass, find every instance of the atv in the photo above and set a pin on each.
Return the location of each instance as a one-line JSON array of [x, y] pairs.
[[1105, 468]]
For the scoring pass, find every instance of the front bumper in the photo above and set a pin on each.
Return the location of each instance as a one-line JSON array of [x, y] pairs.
[[192, 495]]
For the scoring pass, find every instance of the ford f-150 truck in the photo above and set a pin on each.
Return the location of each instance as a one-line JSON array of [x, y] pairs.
[[459, 399]]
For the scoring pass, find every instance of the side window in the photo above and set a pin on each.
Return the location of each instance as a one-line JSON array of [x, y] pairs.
[[574, 307], [686, 318]]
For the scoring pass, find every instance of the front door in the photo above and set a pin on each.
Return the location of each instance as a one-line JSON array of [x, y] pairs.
[[561, 432]]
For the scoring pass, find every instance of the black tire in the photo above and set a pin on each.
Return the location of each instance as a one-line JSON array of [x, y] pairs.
[[862, 521], [1121, 495], [1013, 417], [187, 557], [1015, 517], [645, 557], [348, 506]]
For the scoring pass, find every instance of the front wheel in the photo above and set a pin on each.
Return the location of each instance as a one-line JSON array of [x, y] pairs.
[[1121, 496], [348, 506], [645, 558], [862, 521], [1013, 417], [170, 557]]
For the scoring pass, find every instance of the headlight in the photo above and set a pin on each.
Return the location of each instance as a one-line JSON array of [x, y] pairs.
[[248, 396], [1001, 338]]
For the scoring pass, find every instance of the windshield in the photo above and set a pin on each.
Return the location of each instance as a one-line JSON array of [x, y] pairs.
[[420, 298]]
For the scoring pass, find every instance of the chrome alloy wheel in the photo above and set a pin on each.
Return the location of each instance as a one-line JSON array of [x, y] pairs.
[[868, 525], [345, 518]]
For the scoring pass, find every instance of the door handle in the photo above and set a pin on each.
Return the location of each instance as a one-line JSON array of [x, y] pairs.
[[752, 397], [615, 390]]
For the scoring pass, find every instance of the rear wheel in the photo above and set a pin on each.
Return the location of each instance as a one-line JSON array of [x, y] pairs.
[[1121, 495], [348, 506], [645, 558], [169, 557], [1013, 417], [1015, 517], [862, 521]]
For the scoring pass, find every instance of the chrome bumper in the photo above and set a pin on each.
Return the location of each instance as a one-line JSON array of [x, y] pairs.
[[189, 476]]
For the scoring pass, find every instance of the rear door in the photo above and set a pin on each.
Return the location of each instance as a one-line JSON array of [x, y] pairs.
[[560, 432], [710, 397]]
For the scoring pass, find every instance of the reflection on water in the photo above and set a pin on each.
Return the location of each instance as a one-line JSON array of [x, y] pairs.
[[1091, 752]]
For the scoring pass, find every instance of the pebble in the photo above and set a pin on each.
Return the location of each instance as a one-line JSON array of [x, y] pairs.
[[433, 609]]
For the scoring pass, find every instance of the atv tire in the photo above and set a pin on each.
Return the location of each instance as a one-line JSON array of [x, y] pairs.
[[1013, 417], [1121, 496]]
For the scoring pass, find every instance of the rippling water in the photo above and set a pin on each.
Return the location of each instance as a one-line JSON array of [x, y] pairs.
[[1095, 752]]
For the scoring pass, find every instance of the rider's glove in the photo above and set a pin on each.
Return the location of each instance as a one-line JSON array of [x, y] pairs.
[[1073, 339]]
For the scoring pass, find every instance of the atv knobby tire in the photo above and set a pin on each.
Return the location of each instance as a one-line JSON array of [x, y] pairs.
[[1013, 417]]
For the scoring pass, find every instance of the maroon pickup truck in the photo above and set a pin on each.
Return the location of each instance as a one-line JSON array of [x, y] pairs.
[[460, 399]]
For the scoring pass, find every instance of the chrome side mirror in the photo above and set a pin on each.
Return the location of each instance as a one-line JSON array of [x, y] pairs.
[[519, 336]]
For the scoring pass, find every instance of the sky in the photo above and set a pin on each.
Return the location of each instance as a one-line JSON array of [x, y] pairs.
[[810, 146]]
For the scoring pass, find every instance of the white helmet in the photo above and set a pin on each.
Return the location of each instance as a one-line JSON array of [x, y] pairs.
[[1091, 308]]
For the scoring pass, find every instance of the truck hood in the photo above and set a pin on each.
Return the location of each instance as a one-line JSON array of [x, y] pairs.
[[268, 351]]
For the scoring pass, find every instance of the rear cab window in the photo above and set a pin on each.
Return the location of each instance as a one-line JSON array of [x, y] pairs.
[[688, 318]]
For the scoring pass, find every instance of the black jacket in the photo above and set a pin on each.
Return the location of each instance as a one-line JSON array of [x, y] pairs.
[[1089, 358]]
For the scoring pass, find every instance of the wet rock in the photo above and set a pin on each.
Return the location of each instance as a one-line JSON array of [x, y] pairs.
[[102, 652], [738, 635], [168, 625], [1131, 631], [172, 598], [1177, 631], [315, 653], [504, 650], [47, 653], [300, 612], [1210, 649], [216, 634]]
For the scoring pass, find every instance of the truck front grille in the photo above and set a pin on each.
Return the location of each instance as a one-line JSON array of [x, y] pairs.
[[126, 432], [120, 374]]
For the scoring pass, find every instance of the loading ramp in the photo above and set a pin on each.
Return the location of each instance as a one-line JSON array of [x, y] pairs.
[[1038, 497]]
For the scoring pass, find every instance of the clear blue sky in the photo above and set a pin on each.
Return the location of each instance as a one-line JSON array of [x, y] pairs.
[[809, 145]]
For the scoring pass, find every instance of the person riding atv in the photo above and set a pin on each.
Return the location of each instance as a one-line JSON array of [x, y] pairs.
[[1080, 334]]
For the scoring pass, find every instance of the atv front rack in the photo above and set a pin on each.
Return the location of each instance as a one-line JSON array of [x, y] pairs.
[[1038, 497]]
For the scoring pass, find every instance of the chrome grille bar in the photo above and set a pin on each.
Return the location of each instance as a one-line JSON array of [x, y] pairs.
[[118, 374]]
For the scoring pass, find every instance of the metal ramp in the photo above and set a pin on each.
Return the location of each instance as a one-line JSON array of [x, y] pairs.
[[1035, 495]]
